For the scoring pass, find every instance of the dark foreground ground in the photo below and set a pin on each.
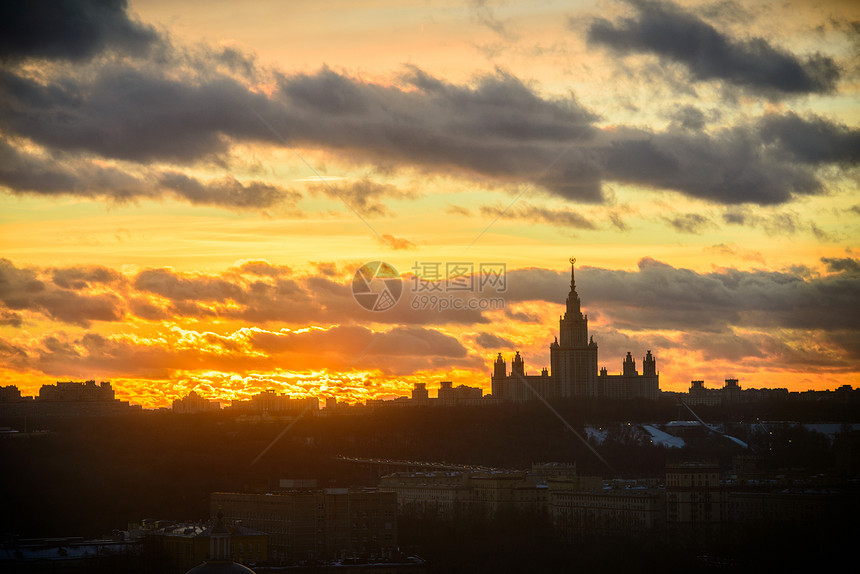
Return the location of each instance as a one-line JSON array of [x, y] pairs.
[[89, 476]]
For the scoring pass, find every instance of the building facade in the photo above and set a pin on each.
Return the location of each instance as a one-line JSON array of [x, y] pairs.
[[194, 403], [269, 402], [451, 494], [71, 391], [575, 512], [446, 396], [694, 495], [66, 398], [730, 394], [311, 524], [573, 368], [184, 545]]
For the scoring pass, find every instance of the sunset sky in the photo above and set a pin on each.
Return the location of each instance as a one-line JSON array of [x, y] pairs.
[[187, 189]]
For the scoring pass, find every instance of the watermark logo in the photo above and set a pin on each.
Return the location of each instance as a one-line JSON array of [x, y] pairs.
[[457, 286], [442, 303], [459, 276], [435, 286], [377, 286]]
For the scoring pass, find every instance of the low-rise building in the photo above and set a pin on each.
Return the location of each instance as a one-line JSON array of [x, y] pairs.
[[447, 396], [694, 495], [730, 393], [610, 511], [448, 494], [66, 398], [184, 545], [193, 403], [310, 524], [273, 403]]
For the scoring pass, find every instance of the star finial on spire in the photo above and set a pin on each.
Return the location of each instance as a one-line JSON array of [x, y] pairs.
[[572, 278]]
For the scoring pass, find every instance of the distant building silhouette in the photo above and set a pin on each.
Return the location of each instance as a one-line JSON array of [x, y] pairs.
[[11, 394], [193, 403], [730, 394], [77, 392], [573, 366], [272, 403], [446, 396], [65, 398]]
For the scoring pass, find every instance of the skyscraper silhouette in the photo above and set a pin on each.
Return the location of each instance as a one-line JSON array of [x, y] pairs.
[[573, 366]]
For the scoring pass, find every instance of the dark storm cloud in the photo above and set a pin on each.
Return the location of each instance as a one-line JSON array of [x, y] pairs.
[[522, 317], [176, 287], [536, 284], [227, 192], [497, 130], [244, 294], [846, 339], [729, 346], [793, 351], [842, 264], [689, 117], [69, 29], [11, 318], [82, 277], [812, 140], [418, 341], [730, 166], [655, 296], [490, 341], [500, 129], [13, 355], [328, 92], [23, 289], [42, 174], [24, 172], [671, 33], [615, 344], [133, 113], [659, 296]]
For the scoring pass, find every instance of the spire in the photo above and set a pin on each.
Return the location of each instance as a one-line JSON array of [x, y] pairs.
[[573, 326], [573, 303], [499, 368]]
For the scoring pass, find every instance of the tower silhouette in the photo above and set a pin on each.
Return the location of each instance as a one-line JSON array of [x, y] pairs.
[[573, 365]]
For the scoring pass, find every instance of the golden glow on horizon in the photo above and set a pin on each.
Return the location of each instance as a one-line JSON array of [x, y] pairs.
[[206, 321]]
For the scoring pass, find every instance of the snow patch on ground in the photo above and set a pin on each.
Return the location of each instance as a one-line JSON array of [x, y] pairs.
[[598, 434], [830, 430], [661, 438]]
